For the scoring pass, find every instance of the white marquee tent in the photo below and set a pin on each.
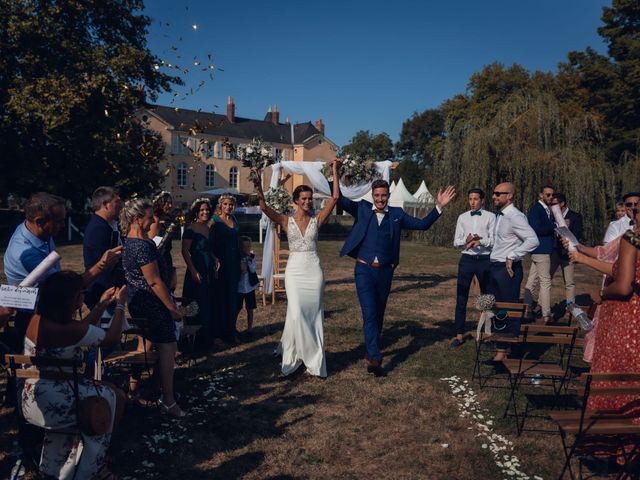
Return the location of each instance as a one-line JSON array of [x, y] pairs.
[[423, 195], [400, 197]]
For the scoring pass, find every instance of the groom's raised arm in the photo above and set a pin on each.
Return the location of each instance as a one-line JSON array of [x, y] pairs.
[[442, 200]]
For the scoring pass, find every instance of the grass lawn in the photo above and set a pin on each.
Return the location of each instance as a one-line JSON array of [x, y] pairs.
[[248, 422]]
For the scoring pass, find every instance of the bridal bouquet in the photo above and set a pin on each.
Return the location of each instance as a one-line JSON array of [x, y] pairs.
[[485, 301], [279, 200], [256, 155], [355, 171]]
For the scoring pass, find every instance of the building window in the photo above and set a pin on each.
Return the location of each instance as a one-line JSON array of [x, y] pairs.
[[182, 175], [178, 146], [207, 149], [219, 149], [279, 154], [233, 177], [209, 176], [231, 152]]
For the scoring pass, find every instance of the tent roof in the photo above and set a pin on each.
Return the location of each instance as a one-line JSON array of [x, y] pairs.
[[392, 187], [401, 196], [422, 194]]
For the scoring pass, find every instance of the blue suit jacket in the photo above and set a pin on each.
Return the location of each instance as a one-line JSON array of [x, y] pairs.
[[362, 211], [544, 228]]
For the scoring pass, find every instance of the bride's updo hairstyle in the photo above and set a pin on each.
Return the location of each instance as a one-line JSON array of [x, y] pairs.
[[299, 189]]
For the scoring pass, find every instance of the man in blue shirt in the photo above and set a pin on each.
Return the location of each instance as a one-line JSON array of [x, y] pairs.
[[32, 240], [100, 235]]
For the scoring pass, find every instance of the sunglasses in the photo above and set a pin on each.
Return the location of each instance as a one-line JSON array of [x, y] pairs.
[[497, 194], [631, 204]]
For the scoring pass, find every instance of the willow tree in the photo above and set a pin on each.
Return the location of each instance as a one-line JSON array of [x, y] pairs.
[[532, 139]]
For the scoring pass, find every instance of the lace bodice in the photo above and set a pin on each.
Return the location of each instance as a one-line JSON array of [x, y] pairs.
[[302, 243]]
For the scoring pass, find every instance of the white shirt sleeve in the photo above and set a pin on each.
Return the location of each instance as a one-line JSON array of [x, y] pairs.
[[491, 225], [611, 233], [459, 237], [524, 232]]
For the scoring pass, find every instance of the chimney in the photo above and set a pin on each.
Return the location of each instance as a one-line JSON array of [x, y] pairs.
[[320, 126], [275, 115], [231, 110], [286, 120]]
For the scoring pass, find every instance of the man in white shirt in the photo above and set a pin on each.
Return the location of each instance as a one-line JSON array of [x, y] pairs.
[[618, 227], [513, 240], [474, 235]]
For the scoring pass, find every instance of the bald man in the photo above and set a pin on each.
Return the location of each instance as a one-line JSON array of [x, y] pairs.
[[513, 240]]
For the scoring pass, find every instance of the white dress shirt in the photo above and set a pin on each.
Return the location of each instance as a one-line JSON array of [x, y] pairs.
[[617, 228], [513, 237], [482, 225], [243, 284]]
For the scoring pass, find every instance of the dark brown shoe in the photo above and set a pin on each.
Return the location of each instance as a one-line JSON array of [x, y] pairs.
[[375, 367]]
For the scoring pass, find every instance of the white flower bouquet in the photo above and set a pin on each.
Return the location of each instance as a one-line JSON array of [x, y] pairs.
[[485, 302], [355, 171], [256, 155], [279, 200]]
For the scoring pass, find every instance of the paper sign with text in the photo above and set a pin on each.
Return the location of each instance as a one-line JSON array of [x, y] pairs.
[[18, 297]]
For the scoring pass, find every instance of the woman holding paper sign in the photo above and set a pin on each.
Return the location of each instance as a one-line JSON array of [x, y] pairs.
[[53, 332]]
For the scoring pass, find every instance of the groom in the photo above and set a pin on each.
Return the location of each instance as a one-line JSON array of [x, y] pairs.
[[374, 242]]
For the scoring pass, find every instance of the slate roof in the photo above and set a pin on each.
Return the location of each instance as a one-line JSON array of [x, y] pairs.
[[217, 124]]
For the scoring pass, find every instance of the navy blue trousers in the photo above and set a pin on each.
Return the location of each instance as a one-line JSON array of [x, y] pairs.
[[506, 288], [468, 267], [373, 286]]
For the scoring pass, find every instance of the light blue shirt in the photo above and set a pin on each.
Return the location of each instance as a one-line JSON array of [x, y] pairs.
[[24, 253]]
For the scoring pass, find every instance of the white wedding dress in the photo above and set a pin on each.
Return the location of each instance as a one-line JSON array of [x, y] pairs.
[[303, 336]]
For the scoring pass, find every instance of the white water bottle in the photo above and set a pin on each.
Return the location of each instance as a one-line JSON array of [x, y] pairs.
[[582, 317]]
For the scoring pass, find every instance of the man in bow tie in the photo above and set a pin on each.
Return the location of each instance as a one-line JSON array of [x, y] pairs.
[[374, 244], [512, 241], [474, 235], [541, 220], [618, 227]]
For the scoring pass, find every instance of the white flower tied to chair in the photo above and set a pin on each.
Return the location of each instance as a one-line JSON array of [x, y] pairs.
[[485, 303], [313, 172]]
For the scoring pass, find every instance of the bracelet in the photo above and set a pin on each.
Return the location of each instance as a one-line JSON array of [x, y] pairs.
[[120, 306]]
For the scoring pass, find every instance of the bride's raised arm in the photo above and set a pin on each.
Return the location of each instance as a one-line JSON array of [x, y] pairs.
[[268, 211], [335, 194]]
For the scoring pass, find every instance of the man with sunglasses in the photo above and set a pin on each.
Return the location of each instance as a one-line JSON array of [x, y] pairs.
[[512, 241], [541, 220], [618, 227]]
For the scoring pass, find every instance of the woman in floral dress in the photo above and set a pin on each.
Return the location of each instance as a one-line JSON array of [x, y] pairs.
[[51, 404]]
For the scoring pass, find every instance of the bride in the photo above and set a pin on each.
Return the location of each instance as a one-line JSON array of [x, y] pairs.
[[303, 338]]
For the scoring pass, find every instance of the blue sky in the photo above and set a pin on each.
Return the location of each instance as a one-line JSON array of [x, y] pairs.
[[358, 65]]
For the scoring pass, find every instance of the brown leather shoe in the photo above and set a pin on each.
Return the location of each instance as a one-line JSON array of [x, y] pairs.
[[375, 367]]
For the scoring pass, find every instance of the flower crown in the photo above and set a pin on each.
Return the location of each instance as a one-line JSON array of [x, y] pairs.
[[198, 200], [226, 196], [160, 195]]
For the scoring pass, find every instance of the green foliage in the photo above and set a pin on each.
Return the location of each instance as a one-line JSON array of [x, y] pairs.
[[419, 135], [72, 76], [367, 146]]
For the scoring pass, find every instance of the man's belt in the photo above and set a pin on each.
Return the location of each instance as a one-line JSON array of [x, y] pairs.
[[374, 264]]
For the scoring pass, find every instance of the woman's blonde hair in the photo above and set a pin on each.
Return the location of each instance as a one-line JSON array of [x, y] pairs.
[[222, 198], [132, 209]]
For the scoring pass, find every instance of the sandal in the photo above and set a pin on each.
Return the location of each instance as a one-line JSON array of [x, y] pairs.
[[174, 410]]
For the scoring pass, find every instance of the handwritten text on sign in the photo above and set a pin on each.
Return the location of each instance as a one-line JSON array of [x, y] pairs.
[[18, 297]]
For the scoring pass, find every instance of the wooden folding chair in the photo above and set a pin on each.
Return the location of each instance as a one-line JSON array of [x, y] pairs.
[[545, 373], [47, 368], [134, 359], [280, 258], [514, 311], [602, 431]]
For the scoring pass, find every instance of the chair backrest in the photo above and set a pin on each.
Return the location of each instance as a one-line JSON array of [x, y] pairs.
[[25, 366], [514, 310], [550, 335], [627, 383]]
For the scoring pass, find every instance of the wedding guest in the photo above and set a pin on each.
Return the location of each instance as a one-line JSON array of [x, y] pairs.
[[616, 346], [248, 281], [620, 210], [560, 255], [100, 235], [541, 222], [147, 278], [618, 227], [201, 269], [54, 331], [162, 208], [513, 240], [474, 235], [226, 247], [32, 241]]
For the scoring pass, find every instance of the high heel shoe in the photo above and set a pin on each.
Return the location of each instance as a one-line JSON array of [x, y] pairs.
[[174, 410]]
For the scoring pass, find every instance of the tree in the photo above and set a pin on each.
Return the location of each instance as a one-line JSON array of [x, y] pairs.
[[371, 147], [72, 76], [418, 135]]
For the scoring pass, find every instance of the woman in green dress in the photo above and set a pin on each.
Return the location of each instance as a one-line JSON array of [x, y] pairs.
[[225, 241], [201, 267]]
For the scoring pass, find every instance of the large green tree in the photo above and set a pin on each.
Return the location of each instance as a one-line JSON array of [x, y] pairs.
[[368, 146], [72, 75]]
